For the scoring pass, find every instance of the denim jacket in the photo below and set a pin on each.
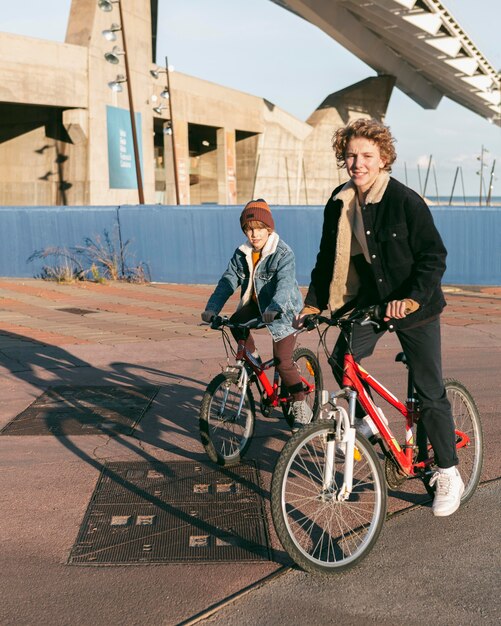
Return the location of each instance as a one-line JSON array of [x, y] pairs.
[[274, 279]]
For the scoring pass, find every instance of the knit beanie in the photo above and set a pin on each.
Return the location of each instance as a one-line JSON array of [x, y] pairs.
[[257, 211]]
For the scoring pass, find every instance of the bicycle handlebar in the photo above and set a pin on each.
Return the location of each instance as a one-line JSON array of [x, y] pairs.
[[367, 315], [218, 322]]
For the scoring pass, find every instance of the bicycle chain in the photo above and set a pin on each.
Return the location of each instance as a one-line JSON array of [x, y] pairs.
[[394, 478]]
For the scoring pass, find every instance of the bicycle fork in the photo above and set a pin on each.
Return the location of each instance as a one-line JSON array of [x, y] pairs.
[[344, 441], [243, 381]]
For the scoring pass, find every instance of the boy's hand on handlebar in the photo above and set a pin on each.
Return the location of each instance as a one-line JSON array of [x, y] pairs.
[[300, 319], [297, 322], [208, 316], [398, 309]]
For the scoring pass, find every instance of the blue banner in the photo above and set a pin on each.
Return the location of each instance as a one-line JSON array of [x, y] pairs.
[[121, 161]]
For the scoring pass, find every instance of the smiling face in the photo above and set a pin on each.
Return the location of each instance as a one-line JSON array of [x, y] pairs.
[[363, 162], [257, 234]]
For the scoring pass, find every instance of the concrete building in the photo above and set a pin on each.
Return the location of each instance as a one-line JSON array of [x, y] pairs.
[[56, 110], [66, 136]]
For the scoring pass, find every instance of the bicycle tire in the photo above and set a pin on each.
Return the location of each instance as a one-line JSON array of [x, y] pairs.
[[225, 438], [467, 419], [309, 368], [326, 536]]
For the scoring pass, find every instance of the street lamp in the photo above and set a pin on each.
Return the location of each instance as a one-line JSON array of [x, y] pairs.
[[112, 57], [166, 94], [115, 85], [106, 5], [110, 33]]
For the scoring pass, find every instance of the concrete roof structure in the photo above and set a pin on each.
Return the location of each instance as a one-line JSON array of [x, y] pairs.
[[417, 41]]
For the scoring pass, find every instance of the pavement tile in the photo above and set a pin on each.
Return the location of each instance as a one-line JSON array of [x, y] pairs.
[[152, 334]]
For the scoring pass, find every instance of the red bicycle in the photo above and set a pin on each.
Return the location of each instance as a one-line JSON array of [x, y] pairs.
[[228, 411], [328, 494]]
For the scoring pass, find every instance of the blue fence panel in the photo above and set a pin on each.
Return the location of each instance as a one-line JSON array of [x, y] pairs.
[[184, 244], [472, 237], [25, 230]]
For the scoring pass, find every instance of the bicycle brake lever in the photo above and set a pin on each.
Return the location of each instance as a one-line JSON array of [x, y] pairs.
[[216, 322], [310, 322]]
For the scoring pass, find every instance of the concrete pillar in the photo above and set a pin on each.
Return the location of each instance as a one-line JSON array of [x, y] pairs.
[[226, 167]]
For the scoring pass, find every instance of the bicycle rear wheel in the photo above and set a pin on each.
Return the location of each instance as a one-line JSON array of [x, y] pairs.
[[319, 532], [310, 371], [466, 420], [226, 431]]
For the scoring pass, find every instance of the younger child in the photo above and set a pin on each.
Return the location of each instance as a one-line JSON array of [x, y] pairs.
[[264, 268]]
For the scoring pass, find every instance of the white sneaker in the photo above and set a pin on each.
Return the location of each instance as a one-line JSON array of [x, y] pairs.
[[448, 491], [302, 414]]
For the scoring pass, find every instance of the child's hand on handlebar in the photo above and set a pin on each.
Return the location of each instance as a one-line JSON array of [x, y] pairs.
[[208, 316], [269, 315]]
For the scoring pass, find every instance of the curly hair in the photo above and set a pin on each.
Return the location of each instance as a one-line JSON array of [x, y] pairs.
[[372, 130]]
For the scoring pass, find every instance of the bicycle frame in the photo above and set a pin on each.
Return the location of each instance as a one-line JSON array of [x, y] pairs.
[[353, 376], [270, 389], [354, 388]]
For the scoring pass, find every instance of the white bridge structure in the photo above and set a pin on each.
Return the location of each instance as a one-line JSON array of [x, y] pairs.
[[416, 41]]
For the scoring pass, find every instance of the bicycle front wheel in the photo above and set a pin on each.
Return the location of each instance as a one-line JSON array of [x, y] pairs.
[[466, 420], [321, 533], [226, 419], [311, 374]]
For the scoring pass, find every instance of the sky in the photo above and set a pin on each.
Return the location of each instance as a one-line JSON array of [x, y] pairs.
[[261, 49]]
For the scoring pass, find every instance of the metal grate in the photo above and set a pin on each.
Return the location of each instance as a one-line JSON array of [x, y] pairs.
[[173, 513], [68, 410]]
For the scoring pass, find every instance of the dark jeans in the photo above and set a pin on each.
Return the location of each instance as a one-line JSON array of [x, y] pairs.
[[282, 350], [422, 348]]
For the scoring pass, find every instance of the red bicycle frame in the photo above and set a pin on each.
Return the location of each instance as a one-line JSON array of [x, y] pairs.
[[353, 375], [270, 389]]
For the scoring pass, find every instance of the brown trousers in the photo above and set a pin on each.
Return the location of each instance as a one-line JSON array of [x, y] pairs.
[[282, 350]]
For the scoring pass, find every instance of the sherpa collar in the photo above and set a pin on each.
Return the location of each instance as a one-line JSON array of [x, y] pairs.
[[347, 193], [345, 283], [269, 248]]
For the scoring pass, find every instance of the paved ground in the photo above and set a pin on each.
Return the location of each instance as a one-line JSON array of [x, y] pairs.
[[120, 334]]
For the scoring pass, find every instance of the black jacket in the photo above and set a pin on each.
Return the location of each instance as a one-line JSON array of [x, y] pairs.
[[406, 250]]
